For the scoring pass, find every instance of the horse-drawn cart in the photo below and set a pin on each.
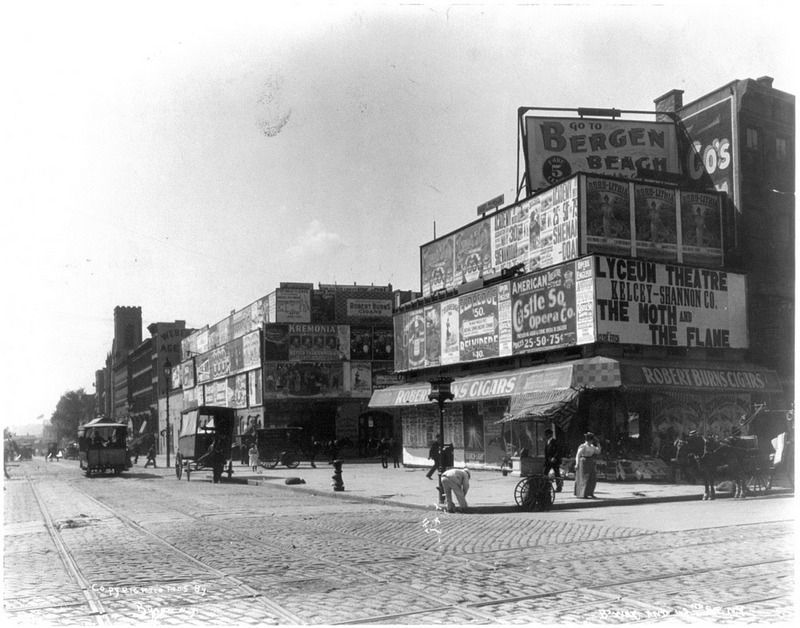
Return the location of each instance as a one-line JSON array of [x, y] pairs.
[[535, 491], [205, 440]]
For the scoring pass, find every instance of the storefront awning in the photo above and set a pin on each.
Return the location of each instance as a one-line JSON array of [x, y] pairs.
[[706, 376], [595, 372], [556, 406]]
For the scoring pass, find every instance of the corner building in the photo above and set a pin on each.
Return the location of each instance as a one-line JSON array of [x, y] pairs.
[[299, 357], [611, 301]]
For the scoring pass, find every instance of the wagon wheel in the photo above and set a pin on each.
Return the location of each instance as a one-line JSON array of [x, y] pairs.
[[757, 484], [273, 462], [290, 460], [522, 493], [178, 466]]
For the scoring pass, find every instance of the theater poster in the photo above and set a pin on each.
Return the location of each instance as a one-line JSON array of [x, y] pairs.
[[656, 223], [608, 216]]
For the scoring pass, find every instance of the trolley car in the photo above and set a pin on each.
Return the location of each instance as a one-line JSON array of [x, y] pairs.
[[102, 448], [205, 441]]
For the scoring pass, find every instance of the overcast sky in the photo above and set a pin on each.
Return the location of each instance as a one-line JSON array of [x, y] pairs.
[[187, 157]]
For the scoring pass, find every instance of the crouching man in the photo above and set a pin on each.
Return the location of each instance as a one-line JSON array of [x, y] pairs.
[[456, 481]]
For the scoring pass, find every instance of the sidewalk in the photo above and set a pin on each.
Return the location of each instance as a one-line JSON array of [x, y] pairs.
[[490, 491]]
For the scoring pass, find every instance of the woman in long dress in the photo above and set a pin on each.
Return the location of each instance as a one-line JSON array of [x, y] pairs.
[[585, 463]]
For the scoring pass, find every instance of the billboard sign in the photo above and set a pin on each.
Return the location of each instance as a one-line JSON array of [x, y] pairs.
[[293, 305], [557, 148], [701, 228], [667, 305]]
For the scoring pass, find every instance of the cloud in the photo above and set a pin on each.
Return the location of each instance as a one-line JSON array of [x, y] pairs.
[[315, 241]]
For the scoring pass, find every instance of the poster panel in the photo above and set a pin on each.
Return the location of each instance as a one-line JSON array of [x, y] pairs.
[[203, 364], [276, 342], [511, 238], [585, 331], [382, 344], [293, 305], [608, 217], [237, 391], [438, 265], [369, 308], [315, 343], [302, 379], [554, 222], [251, 351], [473, 252], [711, 155], [701, 229], [360, 343], [504, 319], [449, 338], [400, 346], [414, 338], [187, 374], [479, 336], [656, 223], [543, 310], [254, 390], [433, 331], [559, 147], [360, 379], [665, 305]]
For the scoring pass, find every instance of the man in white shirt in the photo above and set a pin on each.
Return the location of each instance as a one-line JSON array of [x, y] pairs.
[[456, 481]]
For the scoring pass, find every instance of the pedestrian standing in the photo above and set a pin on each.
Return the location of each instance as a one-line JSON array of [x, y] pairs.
[[552, 458], [433, 454], [384, 451], [397, 449], [151, 457], [253, 453], [585, 466], [456, 481]]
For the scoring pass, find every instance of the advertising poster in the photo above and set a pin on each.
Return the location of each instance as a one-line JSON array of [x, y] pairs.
[[292, 305], [237, 391], [187, 374], [667, 305], [254, 388], [474, 449], [656, 223], [414, 336], [433, 330], [438, 263], [251, 351], [314, 343], [558, 225], [584, 301], [701, 229], [543, 310], [561, 147], [511, 240], [323, 305], [369, 308], [711, 155], [608, 217], [504, 322], [302, 379], [382, 344], [276, 342], [473, 252], [360, 343], [449, 340], [400, 342], [383, 375], [360, 379], [203, 364], [479, 336]]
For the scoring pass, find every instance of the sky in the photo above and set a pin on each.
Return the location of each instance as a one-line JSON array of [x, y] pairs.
[[187, 157]]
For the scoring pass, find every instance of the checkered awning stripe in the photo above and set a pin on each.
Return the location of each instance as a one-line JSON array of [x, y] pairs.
[[596, 373]]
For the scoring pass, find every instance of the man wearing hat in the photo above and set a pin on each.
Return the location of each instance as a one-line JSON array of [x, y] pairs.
[[585, 466], [456, 481]]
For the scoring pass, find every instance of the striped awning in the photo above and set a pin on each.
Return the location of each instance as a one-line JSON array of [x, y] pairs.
[[552, 406]]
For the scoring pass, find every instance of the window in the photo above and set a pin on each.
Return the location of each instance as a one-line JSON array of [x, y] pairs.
[[751, 138], [781, 148]]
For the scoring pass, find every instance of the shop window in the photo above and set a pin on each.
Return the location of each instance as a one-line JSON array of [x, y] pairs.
[[751, 138]]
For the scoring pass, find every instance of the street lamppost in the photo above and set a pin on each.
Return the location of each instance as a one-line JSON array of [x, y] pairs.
[[168, 377], [440, 392]]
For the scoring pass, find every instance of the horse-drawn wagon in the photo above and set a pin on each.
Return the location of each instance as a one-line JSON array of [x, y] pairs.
[[205, 440], [102, 447]]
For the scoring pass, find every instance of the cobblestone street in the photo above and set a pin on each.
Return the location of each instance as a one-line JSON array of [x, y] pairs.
[[144, 547]]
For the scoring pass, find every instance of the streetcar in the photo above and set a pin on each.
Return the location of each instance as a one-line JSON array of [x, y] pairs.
[[101, 447], [205, 441]]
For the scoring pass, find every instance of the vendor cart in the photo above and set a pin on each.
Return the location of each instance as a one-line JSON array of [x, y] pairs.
[[205, 441]]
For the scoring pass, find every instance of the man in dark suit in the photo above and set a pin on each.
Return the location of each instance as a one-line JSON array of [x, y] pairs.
[[552, 458], [433, 454]]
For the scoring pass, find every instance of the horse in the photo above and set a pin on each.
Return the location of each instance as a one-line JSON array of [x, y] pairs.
[[714, 459]]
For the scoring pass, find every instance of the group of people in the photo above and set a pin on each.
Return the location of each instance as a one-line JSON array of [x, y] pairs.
[[456, 480]]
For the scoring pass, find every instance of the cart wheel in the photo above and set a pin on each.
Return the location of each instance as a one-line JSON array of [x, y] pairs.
[[522, 493], [178, 466], [274, 462], [290, 460]]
